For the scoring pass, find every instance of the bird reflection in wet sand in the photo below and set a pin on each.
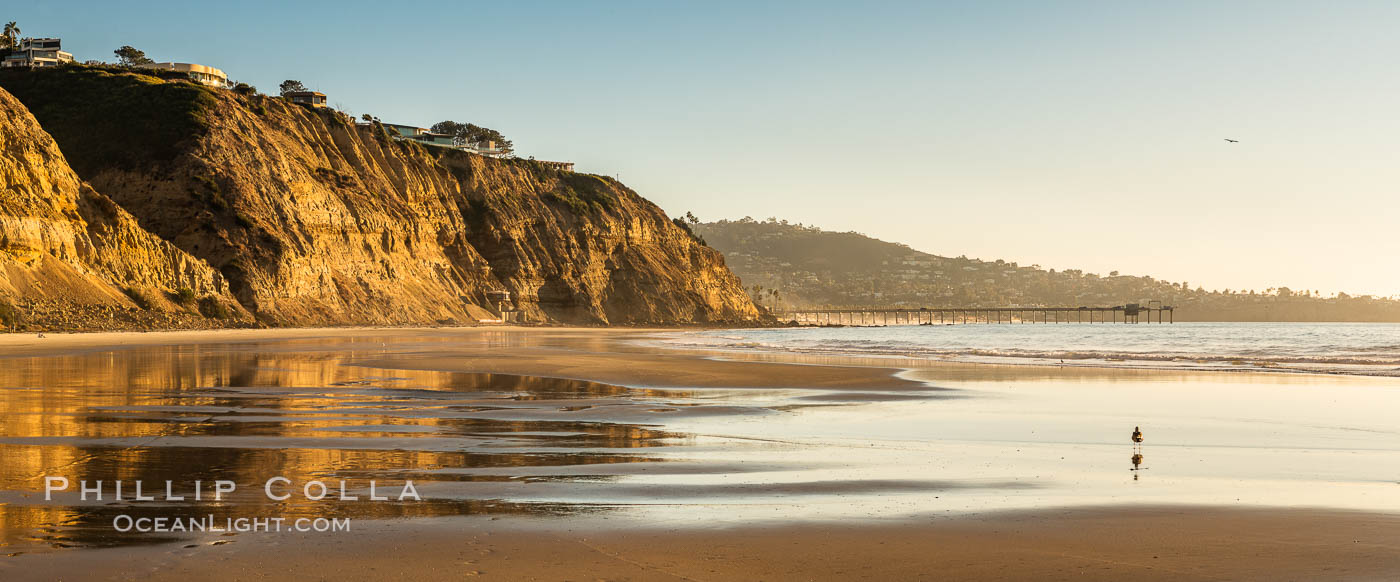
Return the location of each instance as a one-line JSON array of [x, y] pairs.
[[1137, 451]]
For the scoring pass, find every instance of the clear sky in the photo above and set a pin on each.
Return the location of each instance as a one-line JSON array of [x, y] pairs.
[[1071, 135]]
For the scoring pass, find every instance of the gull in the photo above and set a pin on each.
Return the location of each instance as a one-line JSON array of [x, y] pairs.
[[1232, 140]]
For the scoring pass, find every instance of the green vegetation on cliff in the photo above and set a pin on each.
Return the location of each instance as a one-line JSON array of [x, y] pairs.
[[816, 268], [110, 116]]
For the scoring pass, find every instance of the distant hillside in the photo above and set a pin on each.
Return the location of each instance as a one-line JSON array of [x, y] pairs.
[[811, 267]]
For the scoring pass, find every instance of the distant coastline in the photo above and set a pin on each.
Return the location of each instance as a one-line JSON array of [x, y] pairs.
[[788, 265]]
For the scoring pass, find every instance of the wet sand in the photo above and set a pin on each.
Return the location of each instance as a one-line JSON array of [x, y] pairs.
[[1151, 543], [579, 353], [654, 401]]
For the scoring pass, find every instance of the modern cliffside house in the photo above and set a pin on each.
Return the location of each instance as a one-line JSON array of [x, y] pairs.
[[427, 137], [37, 52], [486, 148], [437, 139], [207, 76], [312, 98], [408, 131], [420, 135], [565, 166]]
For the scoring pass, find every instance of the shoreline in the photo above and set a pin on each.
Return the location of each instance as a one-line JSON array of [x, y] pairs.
[[61, 343], [1334, 366]]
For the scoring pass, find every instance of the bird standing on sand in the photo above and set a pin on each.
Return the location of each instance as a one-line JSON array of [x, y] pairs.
[[1137, 451]]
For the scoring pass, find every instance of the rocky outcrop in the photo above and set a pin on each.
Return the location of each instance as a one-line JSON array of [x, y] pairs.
[[72, 259], [313, 219]]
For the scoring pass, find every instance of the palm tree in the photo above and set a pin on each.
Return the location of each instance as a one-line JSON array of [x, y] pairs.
[[11, 35]]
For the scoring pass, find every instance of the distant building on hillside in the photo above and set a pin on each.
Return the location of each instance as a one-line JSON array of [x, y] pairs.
[[420, 135], [428, 137], [38, 52], [565, 166], [312, 98], [485, 148], [408, 131], [437, 139], [207, 76]]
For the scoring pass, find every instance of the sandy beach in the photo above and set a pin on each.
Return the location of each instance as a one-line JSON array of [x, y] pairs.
[[1188, 543], [654, 464]]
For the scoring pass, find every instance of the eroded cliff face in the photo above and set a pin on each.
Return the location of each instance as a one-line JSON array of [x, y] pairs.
[[312, 219], [72, 259]]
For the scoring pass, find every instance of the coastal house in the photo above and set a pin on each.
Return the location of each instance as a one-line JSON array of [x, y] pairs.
[[408, 131], [421, 135], [428, 137], [565, 166], [37, 52], [312, 98], [438, 139], [485, 148], [207, 76]]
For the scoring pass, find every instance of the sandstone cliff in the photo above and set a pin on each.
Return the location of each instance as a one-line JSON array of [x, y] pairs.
[[312, 219], [72, 259]]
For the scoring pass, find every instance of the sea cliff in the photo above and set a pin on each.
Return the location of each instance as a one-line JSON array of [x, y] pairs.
[[303, 217], [71, 258]]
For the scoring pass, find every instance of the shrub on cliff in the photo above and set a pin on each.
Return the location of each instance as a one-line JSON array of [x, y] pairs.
[[212, 308], [139, 297], [9, 315], [582, 193], [686, 227]]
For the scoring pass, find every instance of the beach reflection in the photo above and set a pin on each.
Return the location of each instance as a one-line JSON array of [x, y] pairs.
[[241, 413], [771, 442]]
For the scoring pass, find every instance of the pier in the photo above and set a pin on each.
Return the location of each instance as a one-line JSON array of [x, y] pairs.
[[1130, 313]]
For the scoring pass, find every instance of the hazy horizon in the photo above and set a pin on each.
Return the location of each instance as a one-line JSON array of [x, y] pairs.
[[1075, 135]]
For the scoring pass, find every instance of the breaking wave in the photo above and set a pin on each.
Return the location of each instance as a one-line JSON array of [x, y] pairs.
[[1364, 349]]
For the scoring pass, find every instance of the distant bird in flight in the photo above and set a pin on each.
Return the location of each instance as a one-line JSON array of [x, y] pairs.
[[1232, 140]]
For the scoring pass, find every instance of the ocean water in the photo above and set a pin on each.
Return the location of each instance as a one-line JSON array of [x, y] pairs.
[[1346, 348]]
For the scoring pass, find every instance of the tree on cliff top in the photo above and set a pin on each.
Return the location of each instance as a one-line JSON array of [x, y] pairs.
[[128, 56], [474, 135], [291, 86], [10, 38]]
